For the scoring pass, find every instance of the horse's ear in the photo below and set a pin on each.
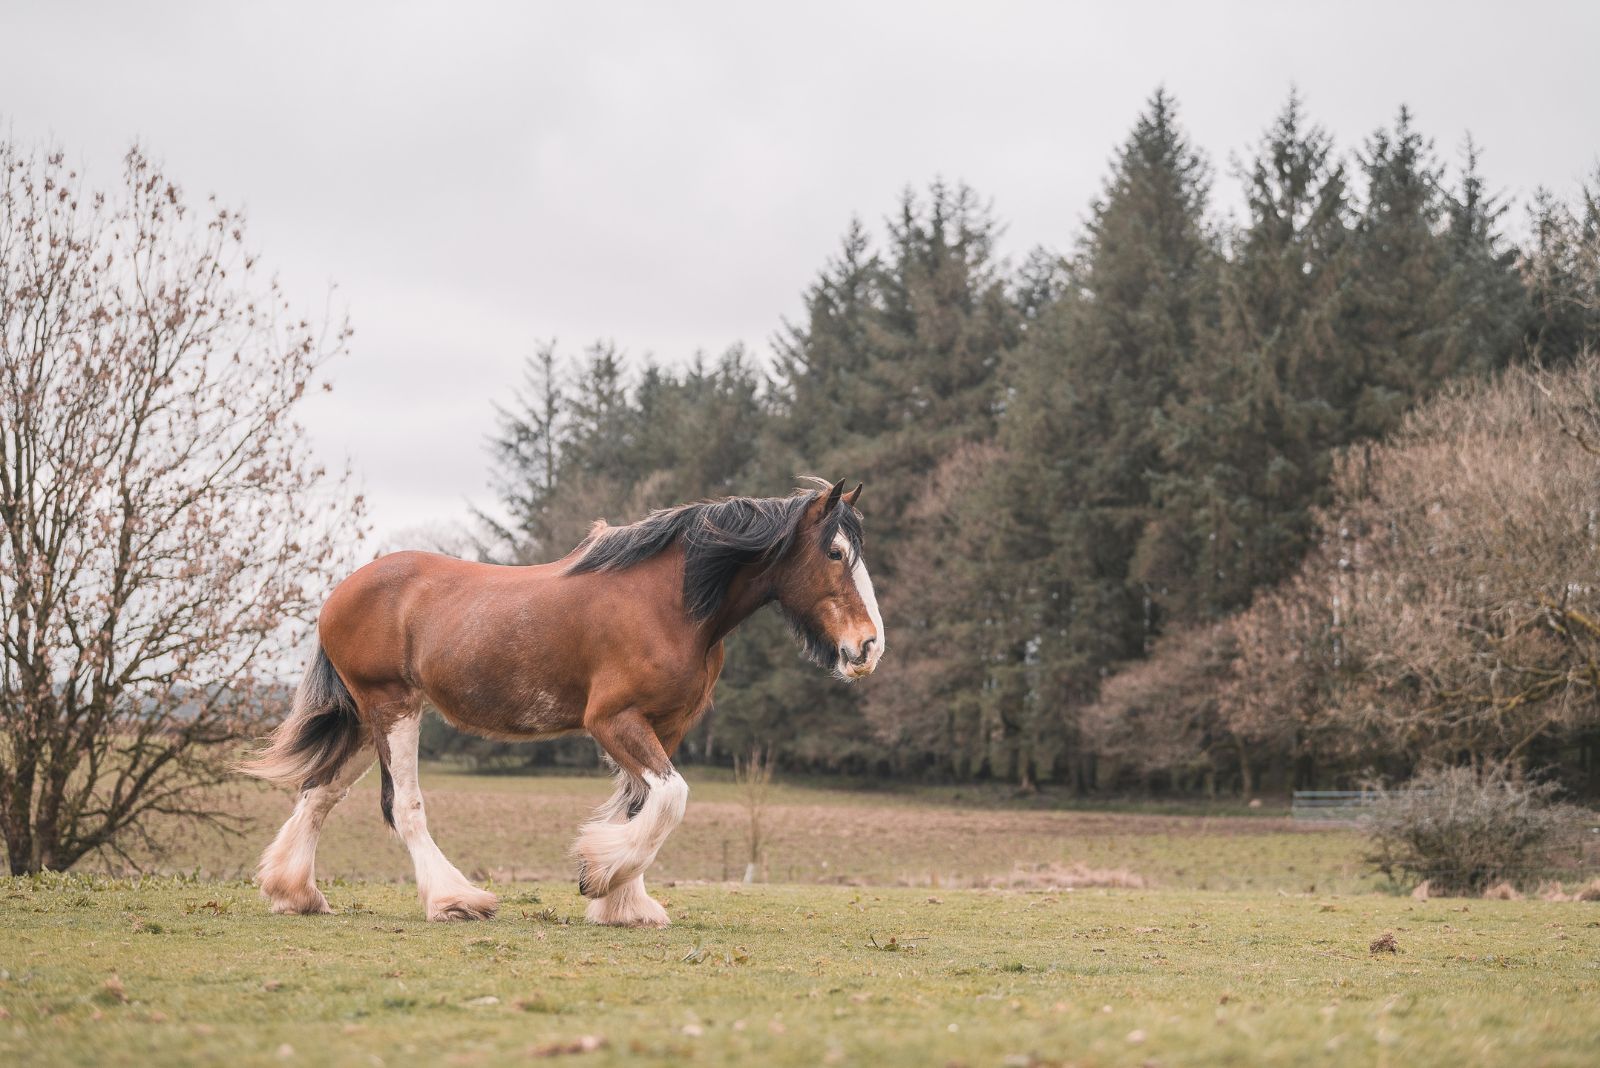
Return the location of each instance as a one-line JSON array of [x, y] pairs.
[[854, 495], [824, 503]]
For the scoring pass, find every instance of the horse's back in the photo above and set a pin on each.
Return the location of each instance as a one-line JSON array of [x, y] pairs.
[[370, 624]]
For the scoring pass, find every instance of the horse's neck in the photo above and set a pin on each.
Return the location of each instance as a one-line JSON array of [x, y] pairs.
[[749, 590]]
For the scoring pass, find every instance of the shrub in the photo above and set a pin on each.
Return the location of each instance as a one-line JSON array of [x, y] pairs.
[[1465, 829]]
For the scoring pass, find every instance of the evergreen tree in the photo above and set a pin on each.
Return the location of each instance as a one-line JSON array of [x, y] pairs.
[[1247, 438], [694, 430], [1561, 276], [1483, 293], [825, 395], [527, 456], [896, 362], [600, 435], [1080, 438], [1402, 314], [894, 369]]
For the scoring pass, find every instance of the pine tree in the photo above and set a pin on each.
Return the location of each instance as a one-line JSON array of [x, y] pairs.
[[825, 395], [894, 368], [1561, 276], [1395, 319], [600, 431], [526, 454], [1247, 439], [1483, 292], [1147, 282], [694, 429], [1080, 436], [896, 362]]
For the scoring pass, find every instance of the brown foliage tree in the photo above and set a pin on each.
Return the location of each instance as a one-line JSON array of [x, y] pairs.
[[1473, 600], [164, 535], [1452, 609], [1160, 716], [1449, 611]]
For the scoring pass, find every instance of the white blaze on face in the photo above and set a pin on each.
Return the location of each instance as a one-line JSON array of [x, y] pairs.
[[858, 572]]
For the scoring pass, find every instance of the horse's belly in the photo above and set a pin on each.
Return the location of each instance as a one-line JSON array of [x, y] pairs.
[[529, 715]]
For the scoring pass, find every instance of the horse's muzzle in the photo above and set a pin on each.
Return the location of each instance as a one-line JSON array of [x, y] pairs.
[[858, 663]]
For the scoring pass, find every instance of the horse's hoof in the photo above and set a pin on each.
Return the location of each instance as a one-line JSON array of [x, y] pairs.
[[301, 901], [628, 906], [480, 905]]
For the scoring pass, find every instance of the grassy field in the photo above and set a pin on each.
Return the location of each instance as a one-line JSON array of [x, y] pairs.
[[512, 828], [1249, 943]]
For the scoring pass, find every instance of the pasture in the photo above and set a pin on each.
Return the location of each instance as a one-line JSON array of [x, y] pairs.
[[903, 927]]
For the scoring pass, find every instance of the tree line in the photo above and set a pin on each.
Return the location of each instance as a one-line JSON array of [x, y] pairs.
[[1110, 491]]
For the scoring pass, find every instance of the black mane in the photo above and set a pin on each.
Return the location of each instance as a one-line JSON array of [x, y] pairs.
[[719, 537]]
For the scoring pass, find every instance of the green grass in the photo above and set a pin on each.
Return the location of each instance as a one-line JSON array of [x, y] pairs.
[[802, 975], [1247, 944]]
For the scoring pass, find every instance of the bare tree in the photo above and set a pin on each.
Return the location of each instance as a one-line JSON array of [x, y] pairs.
[[1452, 608], [164, 535]]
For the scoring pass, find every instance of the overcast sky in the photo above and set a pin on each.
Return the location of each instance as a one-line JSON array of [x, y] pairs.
[[476, 177]]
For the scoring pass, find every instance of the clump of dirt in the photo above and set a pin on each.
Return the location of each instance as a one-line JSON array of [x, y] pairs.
[[581, 1044], [1384, 943]]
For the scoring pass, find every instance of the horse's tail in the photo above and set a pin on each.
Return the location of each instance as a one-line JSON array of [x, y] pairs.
[[322, 731]]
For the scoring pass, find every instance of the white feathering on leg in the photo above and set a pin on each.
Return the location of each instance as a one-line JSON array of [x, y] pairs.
[[614, 852], [627, 905], [287, 873]]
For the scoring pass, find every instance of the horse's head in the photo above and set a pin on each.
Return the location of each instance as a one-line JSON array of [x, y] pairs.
[[824, 590]]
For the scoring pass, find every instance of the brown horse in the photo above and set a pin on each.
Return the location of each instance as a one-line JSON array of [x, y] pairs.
[[622, 639]]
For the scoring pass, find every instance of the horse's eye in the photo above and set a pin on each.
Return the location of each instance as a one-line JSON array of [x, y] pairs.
[[835, 554]]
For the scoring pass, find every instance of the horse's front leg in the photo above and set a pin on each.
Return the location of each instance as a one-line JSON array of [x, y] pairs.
[[622, 838]]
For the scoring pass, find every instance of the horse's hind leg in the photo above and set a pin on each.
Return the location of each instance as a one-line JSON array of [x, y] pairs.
[[288, 867], [446, 894]]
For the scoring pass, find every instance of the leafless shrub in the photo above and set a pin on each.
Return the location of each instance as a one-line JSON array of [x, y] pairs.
[[164, 535], [1469, 831], [1472, 594], [753, 775]]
